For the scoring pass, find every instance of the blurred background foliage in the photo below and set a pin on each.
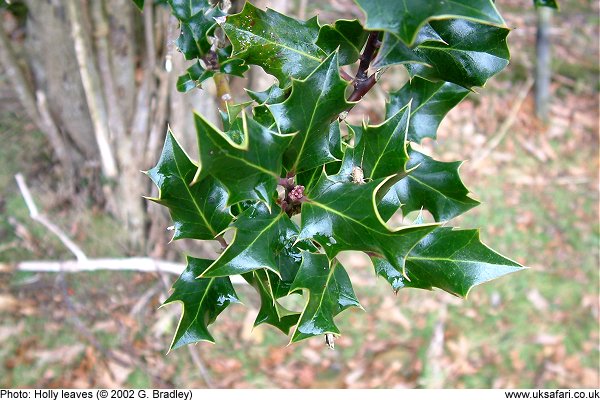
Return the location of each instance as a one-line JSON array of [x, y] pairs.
[[538, 182]]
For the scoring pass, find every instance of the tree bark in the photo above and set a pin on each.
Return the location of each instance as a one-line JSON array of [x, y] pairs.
[[543, 70], [95, 84], [36, 109], [116, 121], [51, 58], [93, 91], [123, 38]]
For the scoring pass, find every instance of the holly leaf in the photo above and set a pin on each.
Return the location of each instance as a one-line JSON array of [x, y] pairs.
[[288, 259], [230, 115], [449, 259], [433, 185], [272, 95], [341, 215], [202, 299], [380, 150], [247, 159], [260, 236], [284, 47], [193, 77], [197, 21], [394, 51], [469, 54], [263, 116], [198, 211], [329, 293], [346, 35], [309, 111], [139, 4], [270, 312], [335, 140], [234, 66], [309, 177], [546, 3], [405, 18], [430, 102]]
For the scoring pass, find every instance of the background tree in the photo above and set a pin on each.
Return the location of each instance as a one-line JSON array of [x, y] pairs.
[[543, 66], [91, 75]]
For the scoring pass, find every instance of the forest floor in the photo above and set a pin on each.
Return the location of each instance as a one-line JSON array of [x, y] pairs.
[[538, 328]]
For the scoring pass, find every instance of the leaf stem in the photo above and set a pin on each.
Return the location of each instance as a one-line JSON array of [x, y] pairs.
[[345, 76], [222, 241], [287, 183], [367, 56], [361, 88], [363, 82]]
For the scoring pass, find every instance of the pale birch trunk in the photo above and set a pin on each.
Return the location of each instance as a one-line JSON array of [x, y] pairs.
[[93, 79]]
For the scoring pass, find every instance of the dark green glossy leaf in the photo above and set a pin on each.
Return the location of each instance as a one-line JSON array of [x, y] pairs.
[[260, 237], [234, 66], [231, 114], [139, 4], [193, 77], [431, 101], [309, 178], [197, 73], [249, 167], [197, 21], [355, 132], [341, 215], [202, 299], [347, 36], [199, 211], [242, 206], [272, 95], [288, 258], [329, 293], [335, 140], [468, 56], [380, 150], [284, 47], [546, 3], [394, 51], [312, 106], [263, 116], [433, 185], [448, 47], [452, 260], [405, 18], [270, 312]]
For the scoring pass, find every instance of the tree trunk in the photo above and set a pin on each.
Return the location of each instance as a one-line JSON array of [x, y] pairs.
[[36, 108], [90, 78], [543, 70], [81, 62], [94, 82], [51, 57], [124, 21]]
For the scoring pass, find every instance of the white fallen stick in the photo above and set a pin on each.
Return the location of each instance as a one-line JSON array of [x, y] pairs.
[[139, 264], [36, 216], [83, 264]]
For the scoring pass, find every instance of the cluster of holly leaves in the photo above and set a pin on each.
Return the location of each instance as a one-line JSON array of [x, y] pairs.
[[293, 190]]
